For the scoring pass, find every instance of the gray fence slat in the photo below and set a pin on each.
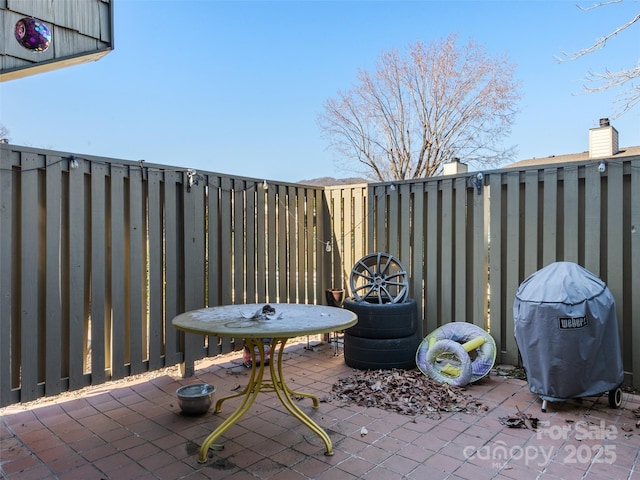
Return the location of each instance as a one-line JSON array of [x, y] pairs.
[[393, 215], [216, 276], [320, 255], [136, 326], [511, 257], [300, 268], [315, 290], [571, 214], [348, 254], [194, 251], [98, 248], [53, 293], [431, 252], [214, 244], [6, 287], [286, 252], [194, 266], [226, 232], [362, 211], [250, 247], [550, 214], [497, 314], [292, 245], [337, 238], [307, 257], [380, 237], [304, 253], [326, 237], [614, 275], [405, 225], [292, 241], [239, 231], [461, 253], [344, 258], [592, 219], [340, 277], [79, 266], [353, 216], [32, 333], [117, 335], [272, 245], [156, 281], [283, 240], [174, 303], [634, 284], [418, 249], [480, 246], [447, 287], [531, 240], [261, 245]]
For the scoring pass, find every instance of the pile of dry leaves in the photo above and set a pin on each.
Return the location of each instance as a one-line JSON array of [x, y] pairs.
[[409, 392]]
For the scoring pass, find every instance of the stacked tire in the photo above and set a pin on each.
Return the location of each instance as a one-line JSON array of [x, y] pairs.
[[386, 336]]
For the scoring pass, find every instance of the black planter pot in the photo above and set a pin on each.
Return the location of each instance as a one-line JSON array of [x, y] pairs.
[[334, 297]]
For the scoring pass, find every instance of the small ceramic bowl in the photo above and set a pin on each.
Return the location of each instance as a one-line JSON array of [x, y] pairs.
[[195, 399]]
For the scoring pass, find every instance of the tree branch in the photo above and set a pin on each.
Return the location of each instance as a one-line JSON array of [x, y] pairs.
[[600, 42]]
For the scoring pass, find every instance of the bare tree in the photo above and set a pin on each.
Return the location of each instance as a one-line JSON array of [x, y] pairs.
[[630, 95], [423, 108], [4, 134]]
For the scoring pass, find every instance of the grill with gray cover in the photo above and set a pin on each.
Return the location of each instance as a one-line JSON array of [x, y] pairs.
[[566, 329]]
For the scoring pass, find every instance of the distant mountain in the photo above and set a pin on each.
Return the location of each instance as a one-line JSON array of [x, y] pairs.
[[330, 181]]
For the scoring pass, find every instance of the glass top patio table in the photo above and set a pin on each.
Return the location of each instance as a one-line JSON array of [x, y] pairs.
[[263, 325]]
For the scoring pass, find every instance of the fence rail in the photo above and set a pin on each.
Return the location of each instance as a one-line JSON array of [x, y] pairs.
[[98, 255]]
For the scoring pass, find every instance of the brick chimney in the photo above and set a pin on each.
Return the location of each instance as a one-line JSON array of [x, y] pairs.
[[603, 140]]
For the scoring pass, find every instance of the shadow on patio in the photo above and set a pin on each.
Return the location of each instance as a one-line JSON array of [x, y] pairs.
[[133, 429]]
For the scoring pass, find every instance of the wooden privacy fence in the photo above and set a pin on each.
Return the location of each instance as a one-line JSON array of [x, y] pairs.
[[468, 242], [98, 255]]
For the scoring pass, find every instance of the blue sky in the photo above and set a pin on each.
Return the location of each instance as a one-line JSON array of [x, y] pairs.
[[236, 87]]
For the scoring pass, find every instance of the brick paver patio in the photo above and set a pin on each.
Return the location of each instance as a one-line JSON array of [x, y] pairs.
[[133, 429]]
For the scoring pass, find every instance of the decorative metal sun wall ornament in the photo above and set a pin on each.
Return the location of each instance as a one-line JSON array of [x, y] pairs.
[[32, 34]]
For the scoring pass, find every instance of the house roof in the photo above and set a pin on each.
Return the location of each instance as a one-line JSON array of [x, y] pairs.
[[573, 157]]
